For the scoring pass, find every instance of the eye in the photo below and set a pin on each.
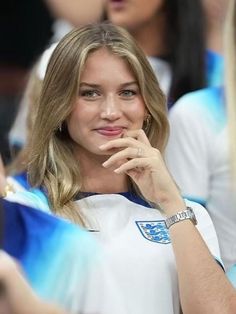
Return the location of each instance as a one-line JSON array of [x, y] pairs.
[[89, 93], [128, 93]]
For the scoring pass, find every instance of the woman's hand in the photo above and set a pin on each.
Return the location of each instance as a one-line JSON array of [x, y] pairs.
[[145, 165]]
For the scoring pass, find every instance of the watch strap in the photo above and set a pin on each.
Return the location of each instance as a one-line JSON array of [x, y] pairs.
[[188, 213]]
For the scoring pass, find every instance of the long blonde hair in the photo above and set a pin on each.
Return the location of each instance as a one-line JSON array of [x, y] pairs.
[[52, 162], [230, 84]]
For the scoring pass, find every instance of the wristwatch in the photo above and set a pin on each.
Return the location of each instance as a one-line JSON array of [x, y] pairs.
[[180, 216]]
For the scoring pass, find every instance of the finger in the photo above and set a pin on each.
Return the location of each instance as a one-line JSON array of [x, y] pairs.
[[128, 153], [120, 143], [132, 164], [139, 135]]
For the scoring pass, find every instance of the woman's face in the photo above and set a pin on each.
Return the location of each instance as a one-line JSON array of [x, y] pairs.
[[215, 10], [77, 12], [109, 102], [132, 14]]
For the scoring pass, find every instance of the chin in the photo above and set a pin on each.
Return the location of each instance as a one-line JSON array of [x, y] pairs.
[[119, 19]]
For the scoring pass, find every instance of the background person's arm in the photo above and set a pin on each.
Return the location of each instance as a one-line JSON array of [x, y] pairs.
[[18, 294]]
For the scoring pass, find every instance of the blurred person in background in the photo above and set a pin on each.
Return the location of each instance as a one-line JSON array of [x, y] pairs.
[[73, 13], [172, 34], [17, 297], [67, 14], [215, 12], [23, 124], [25, 31], [49, 265], [198, 154]]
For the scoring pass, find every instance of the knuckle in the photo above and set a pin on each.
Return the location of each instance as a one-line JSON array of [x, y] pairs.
[[141, 132], [157, 152]]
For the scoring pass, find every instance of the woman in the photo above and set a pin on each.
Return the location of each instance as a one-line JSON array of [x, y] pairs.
[[172, 35], [96, 151]]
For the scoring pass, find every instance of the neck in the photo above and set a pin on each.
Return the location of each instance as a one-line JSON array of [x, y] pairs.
[[98, 179], [215, 38], [151, 36]]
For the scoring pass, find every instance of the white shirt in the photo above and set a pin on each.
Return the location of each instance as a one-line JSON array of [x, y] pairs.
[[137, 245], [198, 158]]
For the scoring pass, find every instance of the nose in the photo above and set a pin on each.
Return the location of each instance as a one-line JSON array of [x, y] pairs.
[[111, 108]]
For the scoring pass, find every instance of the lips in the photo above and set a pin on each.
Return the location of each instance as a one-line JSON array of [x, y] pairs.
[[110, 131], [117, 4]]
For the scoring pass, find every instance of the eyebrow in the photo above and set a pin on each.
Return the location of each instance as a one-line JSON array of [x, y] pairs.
[[84, 84]]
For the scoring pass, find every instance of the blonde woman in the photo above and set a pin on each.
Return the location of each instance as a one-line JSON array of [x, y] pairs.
[[96, 151]]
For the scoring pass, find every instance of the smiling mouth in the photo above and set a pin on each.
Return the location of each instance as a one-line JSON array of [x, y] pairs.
[[110, 131]]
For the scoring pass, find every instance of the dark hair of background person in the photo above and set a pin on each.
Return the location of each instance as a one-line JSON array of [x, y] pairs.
[[26, 28], [185, 40]]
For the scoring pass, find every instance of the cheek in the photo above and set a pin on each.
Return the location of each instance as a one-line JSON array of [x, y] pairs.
[[148, 12], [138, 112], [78, 115], [73, 124]]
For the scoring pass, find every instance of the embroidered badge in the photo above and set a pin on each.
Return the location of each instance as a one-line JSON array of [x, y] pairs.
[[154, 231]]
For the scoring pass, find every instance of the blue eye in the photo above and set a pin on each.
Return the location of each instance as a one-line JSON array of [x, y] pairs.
[[128, 93], [89, 93]]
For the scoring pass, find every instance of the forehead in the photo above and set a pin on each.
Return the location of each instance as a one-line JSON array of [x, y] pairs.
[[104, 63]]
